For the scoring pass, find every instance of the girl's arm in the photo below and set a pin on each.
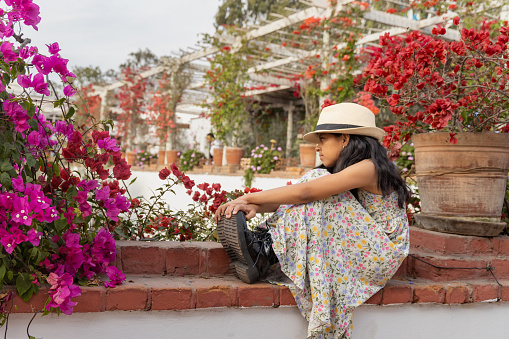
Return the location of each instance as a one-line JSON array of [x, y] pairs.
[[360, 175]]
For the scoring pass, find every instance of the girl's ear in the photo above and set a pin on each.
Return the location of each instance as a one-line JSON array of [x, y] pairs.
[[346, 139]]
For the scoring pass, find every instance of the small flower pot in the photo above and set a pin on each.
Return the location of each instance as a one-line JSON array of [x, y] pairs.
[[161, 158], [234, 155], [218, 156], [130, 157], [172, 157], [307, 154]]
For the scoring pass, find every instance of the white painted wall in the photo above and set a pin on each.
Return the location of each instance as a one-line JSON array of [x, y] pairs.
[[471, 321], [148, 181]]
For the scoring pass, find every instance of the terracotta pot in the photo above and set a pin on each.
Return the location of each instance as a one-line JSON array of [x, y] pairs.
[[307, 154], [234, 155], [462, 186], [218, 156], [161, 158], [130, 157], [172, 157]]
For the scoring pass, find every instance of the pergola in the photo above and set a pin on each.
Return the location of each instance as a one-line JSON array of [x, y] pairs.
[[277, 62]]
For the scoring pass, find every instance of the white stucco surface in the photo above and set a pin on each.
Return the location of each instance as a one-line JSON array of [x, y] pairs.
[[147, 182], [471, 321]]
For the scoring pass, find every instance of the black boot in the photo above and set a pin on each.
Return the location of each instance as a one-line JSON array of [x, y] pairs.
[[250, 252]]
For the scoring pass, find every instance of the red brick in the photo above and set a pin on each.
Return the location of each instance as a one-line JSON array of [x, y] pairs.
[[455, 244], [428, 241], [429, 294], [218, 261], [142, 260], [92, 299], [397, 294], [457, 294], [403, 269], [478, 245], [256, 295], [376, 299], [448, 273], [172, 298], [500, 268], [505, 293], [127, 298], [35, 304], [501, 245], [286, 297], [485, 292], [183, 260], [209, 294]]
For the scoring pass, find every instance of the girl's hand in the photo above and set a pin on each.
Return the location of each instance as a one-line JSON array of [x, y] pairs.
[[233, 207]]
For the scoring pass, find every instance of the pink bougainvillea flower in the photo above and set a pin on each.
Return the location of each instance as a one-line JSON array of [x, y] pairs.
[[11, 239], [7, 51], [103, 194], [34, 138], [69, 91], [59, 64], [17, 114], [24, 81], [61, 292], [115, 275], [40, 86], [18, 184], [53, 48], [34, 237], [108, 144]]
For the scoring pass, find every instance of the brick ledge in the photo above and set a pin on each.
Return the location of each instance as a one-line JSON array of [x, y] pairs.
[[145, 292]]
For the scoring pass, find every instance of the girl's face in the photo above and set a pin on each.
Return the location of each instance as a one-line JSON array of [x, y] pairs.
[[330, 146]]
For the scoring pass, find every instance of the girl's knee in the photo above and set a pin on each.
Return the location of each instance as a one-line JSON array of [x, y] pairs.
[[313, 174]]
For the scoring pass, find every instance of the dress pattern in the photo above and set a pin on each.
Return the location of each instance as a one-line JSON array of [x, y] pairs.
[[338, 252]]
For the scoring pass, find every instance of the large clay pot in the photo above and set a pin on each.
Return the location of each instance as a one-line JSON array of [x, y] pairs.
[[234, 155], [172, 157], [130, 157], [218, 156], [307, 154], [161, 158], [462, 186]]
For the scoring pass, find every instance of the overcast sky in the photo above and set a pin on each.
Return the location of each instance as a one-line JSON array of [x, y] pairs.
[[103, 32]]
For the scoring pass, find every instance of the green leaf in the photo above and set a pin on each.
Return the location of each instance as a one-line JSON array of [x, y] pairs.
[[3, 269], [60, 224], [70, 113], [59, 102], [5, 180], [71, 193], [6, 165], [28, 294], [31, 113], [23, 283], [56, 169], [6, 78], [132, 181]]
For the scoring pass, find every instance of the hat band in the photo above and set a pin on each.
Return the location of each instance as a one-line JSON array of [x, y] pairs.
[[334, 126]]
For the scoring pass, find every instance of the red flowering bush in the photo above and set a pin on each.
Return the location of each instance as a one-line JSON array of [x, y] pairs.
[[154, 219], [431, 84]]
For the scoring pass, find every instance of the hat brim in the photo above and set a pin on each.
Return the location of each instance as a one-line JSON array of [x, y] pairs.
[[374, 132]]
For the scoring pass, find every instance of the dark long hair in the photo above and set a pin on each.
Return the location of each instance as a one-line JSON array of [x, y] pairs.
[[361, 147]]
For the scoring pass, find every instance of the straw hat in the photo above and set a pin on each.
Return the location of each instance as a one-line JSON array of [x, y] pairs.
[[347, 118]]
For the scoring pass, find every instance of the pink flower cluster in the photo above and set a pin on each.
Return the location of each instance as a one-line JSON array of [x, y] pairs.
[[18, 209]]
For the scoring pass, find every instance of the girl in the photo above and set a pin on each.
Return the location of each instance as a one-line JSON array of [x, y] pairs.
[[339, 234]]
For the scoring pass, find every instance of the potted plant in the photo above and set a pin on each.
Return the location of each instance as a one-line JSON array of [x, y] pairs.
[[189, 159], [228, 106], [451, 98], [263, 161]]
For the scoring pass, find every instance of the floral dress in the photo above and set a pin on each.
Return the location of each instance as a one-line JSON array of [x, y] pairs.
[[338, 252]]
